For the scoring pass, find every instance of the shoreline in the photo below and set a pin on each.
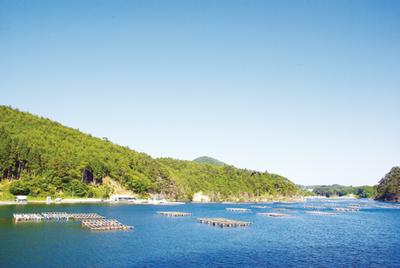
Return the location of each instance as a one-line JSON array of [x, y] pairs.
[[84, 201], [107, 201]]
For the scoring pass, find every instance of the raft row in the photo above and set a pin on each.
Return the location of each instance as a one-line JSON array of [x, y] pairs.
[[85, 216], [322, 213], [260, 206], [105, 225], [174, 213], [59, 216], [276, 215], [238, 209], [222, 222], [349, 209], [28, 217]]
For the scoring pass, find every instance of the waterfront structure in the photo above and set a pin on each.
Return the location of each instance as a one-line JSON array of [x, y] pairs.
[[21, 199], [122, 198]]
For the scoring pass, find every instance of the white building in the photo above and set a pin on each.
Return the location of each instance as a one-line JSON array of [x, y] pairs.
[[21, 198]]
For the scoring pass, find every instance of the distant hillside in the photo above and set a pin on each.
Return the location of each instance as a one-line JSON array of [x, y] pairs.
[[341, 190], [40, 157], [209, 160], [389, 187]]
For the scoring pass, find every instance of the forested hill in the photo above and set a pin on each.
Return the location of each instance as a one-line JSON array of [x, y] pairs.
[[388, 188], [40, 157]]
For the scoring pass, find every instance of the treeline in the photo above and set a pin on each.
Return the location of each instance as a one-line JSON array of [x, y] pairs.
[[41, 157], [340, 190]]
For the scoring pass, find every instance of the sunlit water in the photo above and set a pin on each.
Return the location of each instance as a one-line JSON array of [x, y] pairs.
[[367, 238]]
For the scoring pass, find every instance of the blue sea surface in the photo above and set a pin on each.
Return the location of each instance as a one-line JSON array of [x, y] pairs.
[[366, 238]]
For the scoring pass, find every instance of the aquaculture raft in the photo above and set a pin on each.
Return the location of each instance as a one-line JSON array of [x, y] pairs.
[[93, 221], [24, 217], [222, 222], [260, 206], [84, 216], [280, 209], [104, 225], [59, 216], [174, 213], [321, 213], [277, 215], [349, 209], [238, 209]]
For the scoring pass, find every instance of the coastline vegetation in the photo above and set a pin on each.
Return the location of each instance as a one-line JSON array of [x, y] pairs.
[[337, 190]]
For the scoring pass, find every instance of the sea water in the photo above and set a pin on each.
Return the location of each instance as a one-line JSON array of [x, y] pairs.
[[366, 238]]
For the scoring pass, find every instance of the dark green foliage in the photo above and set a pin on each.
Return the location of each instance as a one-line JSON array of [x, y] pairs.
[[19, 188], [209, 160], [45, 158], [389, 187], [340, 190], [223, 182]]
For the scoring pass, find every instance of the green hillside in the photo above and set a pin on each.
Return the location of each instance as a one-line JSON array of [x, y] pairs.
[[40, 157], [365, 191], [388, 188], [209, 160]]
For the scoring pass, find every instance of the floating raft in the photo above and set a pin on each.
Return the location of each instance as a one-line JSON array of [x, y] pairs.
[[277, 215], [174, 213], [315, 207], [349, 209], [280, 209], [92, 221], [222, 222], [322, 213], [33, 217], [105, 225], [238, 209], [260, 207], [84, 216], [55, 216], [388, 206]]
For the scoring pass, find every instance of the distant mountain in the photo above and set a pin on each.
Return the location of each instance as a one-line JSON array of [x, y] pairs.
[[389, 187], [209, 160], [40, 157]]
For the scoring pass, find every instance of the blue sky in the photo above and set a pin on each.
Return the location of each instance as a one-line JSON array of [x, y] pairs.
[[306, 89]]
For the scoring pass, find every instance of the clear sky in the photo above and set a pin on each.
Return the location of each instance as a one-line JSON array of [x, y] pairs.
[[306, 89]]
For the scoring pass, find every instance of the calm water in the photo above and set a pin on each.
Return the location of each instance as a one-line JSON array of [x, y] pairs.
[[368, 238]]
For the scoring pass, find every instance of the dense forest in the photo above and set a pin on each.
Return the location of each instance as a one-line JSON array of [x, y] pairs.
[[388, 188], [340, 190], [39, 157]]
